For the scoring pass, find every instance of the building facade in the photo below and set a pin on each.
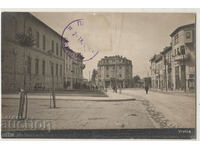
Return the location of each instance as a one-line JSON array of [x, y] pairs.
[[114, 71], [183, 49], [73, 69], [157, 71], [175, 69], [32, 55]]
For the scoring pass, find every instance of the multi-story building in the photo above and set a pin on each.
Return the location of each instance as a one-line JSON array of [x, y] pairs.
[[32, 55], [183, 50], [114, 70], [176, 63], [73, 69], [157, 71], [167, 68]]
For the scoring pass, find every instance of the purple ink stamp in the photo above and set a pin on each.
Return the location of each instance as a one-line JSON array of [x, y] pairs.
[[72, 33]]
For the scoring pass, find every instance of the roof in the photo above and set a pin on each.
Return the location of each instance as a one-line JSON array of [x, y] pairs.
[[153, 58], [38, 20], [156, 58], [166, 49], [182, 28], [116, 56], [77, 54]]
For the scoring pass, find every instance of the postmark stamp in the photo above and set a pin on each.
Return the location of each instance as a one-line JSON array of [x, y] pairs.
[[76, 40]]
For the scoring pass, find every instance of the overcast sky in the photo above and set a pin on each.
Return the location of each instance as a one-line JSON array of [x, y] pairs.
[[137, 36]]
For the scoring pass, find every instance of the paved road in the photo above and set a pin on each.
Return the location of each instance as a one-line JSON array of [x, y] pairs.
[[178, 109], [154, 110]]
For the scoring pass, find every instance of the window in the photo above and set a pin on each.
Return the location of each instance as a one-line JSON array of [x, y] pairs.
[[175, 39], [107, 76], [44, 42], [36, 66], [120, 67], [178, 52], [57, 49], [37, 39], [188, 35], [29, 32], [120, 75], [60, 70], [113, 67], [52, 45], [106, 67], [61, 51], [52, 68], [29, 65], [43, 67], [56, 69], [182, 50]]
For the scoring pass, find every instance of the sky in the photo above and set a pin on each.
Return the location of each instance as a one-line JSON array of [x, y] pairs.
[[136, 36]]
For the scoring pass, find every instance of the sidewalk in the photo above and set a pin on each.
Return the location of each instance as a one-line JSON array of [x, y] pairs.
[[181, 93], [110, 97]]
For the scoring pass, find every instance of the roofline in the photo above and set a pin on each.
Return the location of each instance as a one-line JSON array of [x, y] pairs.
[[153, 58], [166, 49], [181, 28], [31, 15], [159, 58]]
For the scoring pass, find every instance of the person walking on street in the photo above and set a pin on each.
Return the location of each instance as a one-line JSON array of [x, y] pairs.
[[146, 89]]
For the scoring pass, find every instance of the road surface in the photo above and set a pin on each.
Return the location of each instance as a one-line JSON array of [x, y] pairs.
[[136, 111]]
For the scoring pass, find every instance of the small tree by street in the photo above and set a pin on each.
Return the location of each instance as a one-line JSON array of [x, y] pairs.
[[26, 41], [135, 80], [94, 75]]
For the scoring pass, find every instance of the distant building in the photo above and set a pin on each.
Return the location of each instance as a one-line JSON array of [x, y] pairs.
[[157, 71], [32, 55], [114, 70], [174, 67], [167, 68], [73, 69]]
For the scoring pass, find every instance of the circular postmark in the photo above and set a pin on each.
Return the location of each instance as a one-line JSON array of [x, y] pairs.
[[74, 38]]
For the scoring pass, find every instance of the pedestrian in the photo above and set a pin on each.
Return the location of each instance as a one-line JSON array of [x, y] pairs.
[[146, 89]]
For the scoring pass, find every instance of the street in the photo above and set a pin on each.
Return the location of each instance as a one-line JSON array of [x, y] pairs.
[[132, 109]]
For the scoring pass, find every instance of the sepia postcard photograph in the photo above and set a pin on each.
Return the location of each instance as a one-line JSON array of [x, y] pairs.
[[98, 75]]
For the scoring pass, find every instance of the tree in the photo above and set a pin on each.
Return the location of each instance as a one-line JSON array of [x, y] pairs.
[[94, 75], [26, 41], [135, 80]]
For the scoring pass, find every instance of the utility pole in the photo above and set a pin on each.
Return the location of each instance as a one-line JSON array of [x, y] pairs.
[[116, 73], [183, 53], [165, 62]]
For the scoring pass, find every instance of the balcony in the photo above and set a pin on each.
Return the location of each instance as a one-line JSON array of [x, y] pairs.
[[179, 57]]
